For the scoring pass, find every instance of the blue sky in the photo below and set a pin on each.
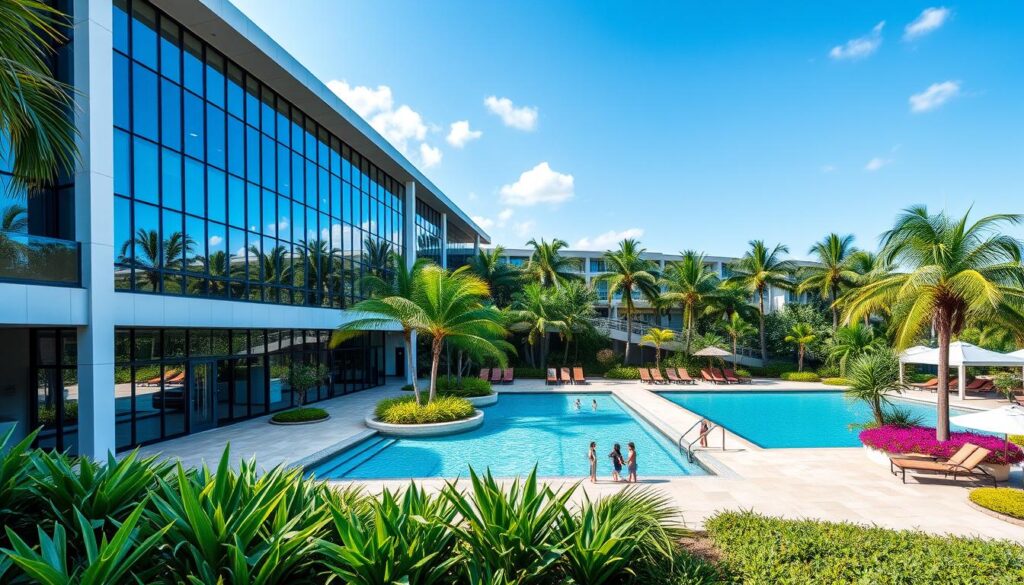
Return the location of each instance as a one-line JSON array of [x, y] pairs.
[[696, 125]]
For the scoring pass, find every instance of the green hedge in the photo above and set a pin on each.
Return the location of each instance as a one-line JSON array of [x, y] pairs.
[[835, 381], [623, 373], [469, 387], [772, 369], [800, 377], [1007, 501], [405, 411], [758, 549], [300, 415], [531, 373]]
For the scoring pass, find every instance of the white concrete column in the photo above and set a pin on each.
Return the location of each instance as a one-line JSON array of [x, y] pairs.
[[444, 240], [94, 225], [962, 375], [409, 239], [476, 244]]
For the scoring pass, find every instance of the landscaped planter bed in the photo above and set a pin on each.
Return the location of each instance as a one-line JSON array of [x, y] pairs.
[[427, 429], [888, 441]]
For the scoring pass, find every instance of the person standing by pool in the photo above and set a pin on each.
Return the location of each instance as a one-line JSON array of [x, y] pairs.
[[631, 463], [704, 432], [592, 456], [593, 405], [616, 457]]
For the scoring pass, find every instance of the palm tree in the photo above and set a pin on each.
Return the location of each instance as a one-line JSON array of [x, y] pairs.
[[730, 298], [851, 342], [14, 219], [152, 255], [500, 276], [575, 304], [758, 269], [34, 107], [390, 302], [872, 377], [547, 266], [738, 328], [833, 270], [657, 338], [868, 267], [377, 256], [535, 312], [953, 271], [273, 266], [800, 335], [691, 284], [629, 271]]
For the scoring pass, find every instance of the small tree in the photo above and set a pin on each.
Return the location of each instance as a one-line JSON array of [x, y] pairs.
[[305, 376], [657, 337], [737, 328], [872, 376], [800, 335], [1006, 383]]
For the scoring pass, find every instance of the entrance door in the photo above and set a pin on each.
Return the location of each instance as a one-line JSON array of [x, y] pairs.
[[400, 362], [202, 396]]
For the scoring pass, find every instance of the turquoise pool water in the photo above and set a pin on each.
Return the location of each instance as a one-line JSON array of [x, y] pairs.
[[792, 419], [520, 431]]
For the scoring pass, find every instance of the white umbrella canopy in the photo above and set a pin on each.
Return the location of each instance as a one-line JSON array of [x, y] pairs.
[[1007, 420], [712, 351], [914, 350], [962, 353]]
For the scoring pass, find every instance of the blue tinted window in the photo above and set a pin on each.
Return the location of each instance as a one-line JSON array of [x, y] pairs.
[[120, 24], [310, 186], [144, 120], [144, 34], [215, 195], [194, 136], [193, 63], [252, 211], [284, 183], [146, 174], [215, 78], [122, 229], [170, 170], [173, 231], [170, 50], [195, 175], [252, 154], [252, 104], [236, 202], [195, 230], [267, 113], [236, 99], [122, 163], [122, 93], [215, 136], [269, 156], [170, 114], [269, 213], [236, 146], [147, 224]]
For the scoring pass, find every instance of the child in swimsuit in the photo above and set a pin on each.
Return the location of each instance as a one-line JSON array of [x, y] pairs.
[[631, 463], [616, 457], [592, 456]]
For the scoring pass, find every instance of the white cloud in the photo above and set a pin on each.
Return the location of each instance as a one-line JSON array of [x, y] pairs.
[[933, 97], [483, 222], [539, 185], [460, 134], [930, 19], [214, 240], [522, 118], [430, 155], [504, 215], [366, 101], [859, 47], [399, 126], [876, 163], [524, 228], [607, 240]]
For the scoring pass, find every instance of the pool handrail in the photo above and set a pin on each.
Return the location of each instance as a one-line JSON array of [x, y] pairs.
[[712, 425]]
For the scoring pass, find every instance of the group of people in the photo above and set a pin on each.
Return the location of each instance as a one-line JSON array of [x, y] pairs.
[[618, 462]]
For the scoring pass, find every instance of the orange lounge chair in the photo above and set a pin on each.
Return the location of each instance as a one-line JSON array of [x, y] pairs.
[[707, 376], [155, 381], [566, 378], [731, 376], [509, 377], [977, 384], [672, 375], [578, 377], [645, 376], [485, 373], [729, 379], [684, 377], [966, 461], [179, 377], [552, 376], [496, 376], [929, 384], [656, 376], [722, 378]]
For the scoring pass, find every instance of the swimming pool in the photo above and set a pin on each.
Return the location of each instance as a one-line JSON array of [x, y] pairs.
[[793, 419], [520, 431]]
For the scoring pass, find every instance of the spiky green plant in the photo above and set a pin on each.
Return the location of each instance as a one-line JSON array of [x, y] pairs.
[[872, 378]]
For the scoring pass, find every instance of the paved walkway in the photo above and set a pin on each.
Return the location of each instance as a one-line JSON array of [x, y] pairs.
[[829, 484]]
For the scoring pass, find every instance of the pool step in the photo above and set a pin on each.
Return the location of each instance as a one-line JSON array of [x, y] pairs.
[[349, 460]]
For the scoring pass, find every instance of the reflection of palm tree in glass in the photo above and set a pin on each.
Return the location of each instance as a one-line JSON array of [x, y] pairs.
[[220, 270], [315, 263], [273, 266], [153, 255], [377, 256], [14, 219]]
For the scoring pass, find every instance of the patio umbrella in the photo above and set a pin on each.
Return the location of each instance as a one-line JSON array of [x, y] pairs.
[[1008, 420], [712, 352]]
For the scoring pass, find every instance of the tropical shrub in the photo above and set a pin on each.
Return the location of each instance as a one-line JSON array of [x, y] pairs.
[[897, 416], [800, 377], [835, 381], [1007, 501], [922, 441], [466, 387], [743, 373], [300, 415], [829, 371], [919, 378], [759, 549], [302, 377], [1017, 439], [606, 357], [1006, 383], [771, 369], [623, 373], [405, 411]]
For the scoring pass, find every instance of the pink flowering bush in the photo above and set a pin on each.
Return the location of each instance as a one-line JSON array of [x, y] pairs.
[[922, 440]]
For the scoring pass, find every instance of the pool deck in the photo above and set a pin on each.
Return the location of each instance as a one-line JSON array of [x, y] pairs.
[[830, 484]]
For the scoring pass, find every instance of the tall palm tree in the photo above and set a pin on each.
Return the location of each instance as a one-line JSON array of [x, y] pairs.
[[547, 266], [536, 313], [658, 337], [35, 108], [691, 284], [800, 335], [731, 298], [868, 267], [758, 269], [737, 328], [575, 304], [152, 255], [832, 271], [377, 255], [390, 302], [629, 271], [952, 271], [501, 276]]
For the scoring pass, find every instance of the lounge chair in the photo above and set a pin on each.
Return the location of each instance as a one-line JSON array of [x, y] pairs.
[[578, 377], [645, 376], [672, 375], [656, 376], [485, 373], [707, 377], [734, 377], [684, 377], [566, 378], [966, 461], [552, 376], [722, 377], [509, 376], [496, 376], [168, 376], [926, 385], [731, 379]]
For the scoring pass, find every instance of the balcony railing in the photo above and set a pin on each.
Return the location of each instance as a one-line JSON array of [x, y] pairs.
[[37, 259]]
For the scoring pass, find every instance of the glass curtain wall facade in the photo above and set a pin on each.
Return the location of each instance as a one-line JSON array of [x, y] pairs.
[[428, 232], [223, 189]]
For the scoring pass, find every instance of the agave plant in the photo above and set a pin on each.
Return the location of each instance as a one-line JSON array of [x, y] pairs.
[[512, 534], [601, 541], [15, 463]]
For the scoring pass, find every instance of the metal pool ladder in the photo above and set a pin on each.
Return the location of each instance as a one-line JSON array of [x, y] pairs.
[[688, 449]]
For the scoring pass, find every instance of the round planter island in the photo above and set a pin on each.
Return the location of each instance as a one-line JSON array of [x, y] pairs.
[[481, 401], [999, 471], [427, 430]]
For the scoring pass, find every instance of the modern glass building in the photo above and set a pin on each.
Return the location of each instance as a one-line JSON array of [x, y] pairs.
[[226, 208]]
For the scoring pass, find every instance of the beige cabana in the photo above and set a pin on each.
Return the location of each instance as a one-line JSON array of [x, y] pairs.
[[961, 356]]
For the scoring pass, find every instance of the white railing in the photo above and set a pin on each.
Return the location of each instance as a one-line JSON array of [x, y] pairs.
[[640, 329]]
